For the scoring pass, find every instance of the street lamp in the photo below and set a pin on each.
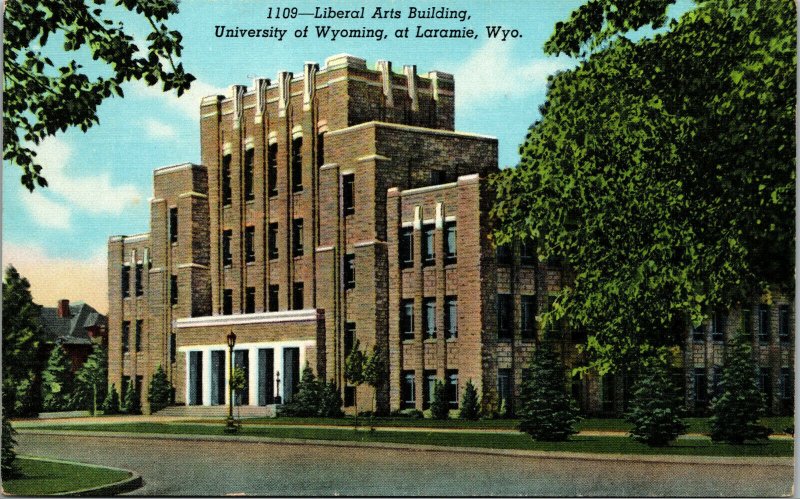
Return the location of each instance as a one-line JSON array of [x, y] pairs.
[[230, 427]]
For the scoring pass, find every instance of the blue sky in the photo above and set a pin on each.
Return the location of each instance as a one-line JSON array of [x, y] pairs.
[[100, 181]]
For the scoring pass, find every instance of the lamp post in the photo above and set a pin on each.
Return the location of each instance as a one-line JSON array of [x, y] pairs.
[[278, 387], [230, 427]]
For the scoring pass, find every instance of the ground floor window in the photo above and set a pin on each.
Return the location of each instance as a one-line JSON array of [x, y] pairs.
[[504, 388], [451, 388], [349, 396], [407, 395], [428, 388]]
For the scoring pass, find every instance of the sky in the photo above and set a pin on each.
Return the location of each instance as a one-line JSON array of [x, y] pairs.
[[101, 181]]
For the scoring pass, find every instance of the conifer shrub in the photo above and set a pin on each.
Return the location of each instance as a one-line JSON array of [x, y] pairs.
[[469, 403], [656, 407]]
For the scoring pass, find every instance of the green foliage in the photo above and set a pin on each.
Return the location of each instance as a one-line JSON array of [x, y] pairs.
[[8, 454], [41, 98], [111, 403], [546, 412], [131, 403], [330, 401], [306, 402], [22, 333], [469, 403], [354, 365], [57, 382], [736, 411], [656, 406], [91, 380], [662, 170], [440, 408], [376, 370], [237, 383], [160, 392]]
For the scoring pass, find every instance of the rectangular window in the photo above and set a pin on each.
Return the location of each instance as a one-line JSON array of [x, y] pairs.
[[173, 225], [504, 388], [226, 180], [503, 254], [407, 319], [450, 247], [783, 323], [249, 244], [137, 338], [349, 271], [272, 302], [227, 302], [437, 177], [407, 392], [528, 327], [297, 164], [451, 317], [320, 149], [249, 193], [406, 247], [250, 300], [699, 332], [173, 290], [700, 384], [554, 327], [428, 245], [173, 347], [272, 170], [429, 318], [527, 252], [505, 316], [297, 237], [451, 388], [716, 381], [349, 396], [428, 388], [126, 334], [747, 323], [763, 323], [718, 322], [348, 194], [126, 281], [272, 241], [297, 296], [227, 256], [349, 337], [765, 385], [139, 285], [787, 384]]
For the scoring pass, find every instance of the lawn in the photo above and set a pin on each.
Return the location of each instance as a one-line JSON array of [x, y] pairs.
[[39, 477], [604, 444]]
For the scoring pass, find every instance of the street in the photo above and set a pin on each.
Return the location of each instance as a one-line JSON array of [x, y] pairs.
[[195, 468]]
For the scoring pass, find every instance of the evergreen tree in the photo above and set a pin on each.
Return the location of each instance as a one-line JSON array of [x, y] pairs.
[[656, 406], [354, 371], [735, 412], [111, 403], [546, 411], [8, 454], [57, 381], [375, 370], [91, 380], [330, 404], [160, 393], [440, 408], [131, 403], [306, 402], [469, 403]]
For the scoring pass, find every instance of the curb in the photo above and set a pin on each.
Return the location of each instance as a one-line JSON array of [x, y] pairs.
[[664, 459], [129, 484]]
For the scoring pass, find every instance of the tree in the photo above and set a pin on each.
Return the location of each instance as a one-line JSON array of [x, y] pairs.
[[440, 408], [160, 393], [131, 403], [111, 403], [735, 412], [330, 404], [57, 381], [656, 406], [375, 370], [22, 334], [91, 380], [354, 371], [8, 454], [469, 403], [42, 98], [238, 382], [306, 402], [546, 411], [662, 170]]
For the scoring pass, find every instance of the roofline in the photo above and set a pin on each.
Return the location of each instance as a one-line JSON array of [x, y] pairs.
[[411, 128], [175, 168]]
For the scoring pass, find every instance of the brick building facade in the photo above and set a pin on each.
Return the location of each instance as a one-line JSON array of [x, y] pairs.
[[336, 207]]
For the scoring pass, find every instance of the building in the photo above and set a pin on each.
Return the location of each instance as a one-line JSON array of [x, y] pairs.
[[331, 209], [76, 328]]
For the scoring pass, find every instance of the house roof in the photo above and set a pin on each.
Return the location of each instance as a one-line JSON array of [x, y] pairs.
[[70, 330]]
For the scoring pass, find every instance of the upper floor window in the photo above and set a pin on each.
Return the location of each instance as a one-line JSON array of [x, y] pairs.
[[249, 193], [173, 290], [227, 256], [429, 317], [226, 179], [350, 271], [297, 164], [320, 149], [272, 298], [527, 252], [139, 276], [249, 244], [718, 322], [451, 317], [272, 241], [450, 252], [126, 333], [297, 296], [137, 342], [349, 337], [126, 281], [297, 237], [173, 347], [428, 245], [505, 316], [406, 247], [173, 225], [250, 300], [503, 254], [763, 323], [407, 319], [528, 329], [699, 332], [437, 177], [348, 201], [747, 323], [272, 170], [227, 301], [783, 323]]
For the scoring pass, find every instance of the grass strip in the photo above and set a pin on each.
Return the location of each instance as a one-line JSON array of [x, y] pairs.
[[37, 477]]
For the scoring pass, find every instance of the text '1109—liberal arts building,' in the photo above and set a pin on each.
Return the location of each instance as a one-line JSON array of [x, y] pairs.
[[340, 207]]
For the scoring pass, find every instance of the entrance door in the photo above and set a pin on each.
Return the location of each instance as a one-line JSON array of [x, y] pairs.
[[195, 378], [241, 360], [218, 377], [266, 380], [291, 372]]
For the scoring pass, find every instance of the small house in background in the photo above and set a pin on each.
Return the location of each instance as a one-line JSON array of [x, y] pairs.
[[76, 328]]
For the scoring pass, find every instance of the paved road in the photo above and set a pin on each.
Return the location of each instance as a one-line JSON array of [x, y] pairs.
[[197, 468]]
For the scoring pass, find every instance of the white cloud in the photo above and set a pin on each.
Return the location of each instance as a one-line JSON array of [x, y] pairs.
[[188, 103], [158, 129], [491, 73], [45, 211]]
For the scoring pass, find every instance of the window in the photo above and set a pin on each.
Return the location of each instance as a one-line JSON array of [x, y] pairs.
[[437, 177], [173, 347], [527, 253], [528, 329], [249, 244], [699, 332], [227, 301], [428, 248], [451, 317], [429, 317], [226, 179], [349, 271], [429, 388], [173, 290], [787, 384], [783, 323], [272, 170], [250, 300], [137, 338], [297, 237], [407, 392], [503, 254], [139, 284], [249, 194], [765, 385], [297, 296], [406, 247], [272, 241], [349, 337], [763, 323], [716, 381], [126, 281], [348, 195], [450, 252], [320, 149], [272, 302], [451, 388], [700, 385], [554, 327], [555, 261], [297, 164], [747, 323], [504, 379], [173, 225], [349, 396], [407, 320], [227, 256], [126, 333], [718, 322], [505, 316]]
